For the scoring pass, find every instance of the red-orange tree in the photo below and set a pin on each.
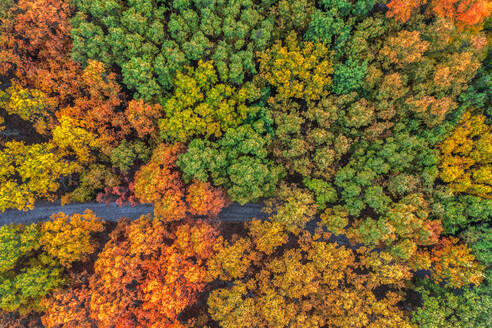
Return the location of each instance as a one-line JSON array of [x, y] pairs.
[[464, 12], [35, 45], [159, 182], [149, 272]]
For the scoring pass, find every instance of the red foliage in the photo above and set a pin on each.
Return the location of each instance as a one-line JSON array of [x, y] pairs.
[[122, 194]]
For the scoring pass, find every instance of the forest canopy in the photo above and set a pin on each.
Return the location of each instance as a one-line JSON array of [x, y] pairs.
[[361, 127]]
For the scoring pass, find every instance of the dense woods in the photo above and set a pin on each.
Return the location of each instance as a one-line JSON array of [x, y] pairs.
[[362, 126]]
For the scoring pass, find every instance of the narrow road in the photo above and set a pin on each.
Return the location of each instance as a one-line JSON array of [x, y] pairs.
[[112, 212]]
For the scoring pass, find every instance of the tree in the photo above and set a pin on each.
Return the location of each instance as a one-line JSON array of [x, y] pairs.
[[149, 272], [25, 277], [67, 308], [201, 106], [238, 162], [464, 12], [203, 199], [466, 161], [144, 117], [297, 70], [159, 182], [152, 42], [39, 168], [30, 104], [307, 283], [445, 308], [454, 264], [128, 153], [72, 137], [100, 106], [68, 239], [35, 45]]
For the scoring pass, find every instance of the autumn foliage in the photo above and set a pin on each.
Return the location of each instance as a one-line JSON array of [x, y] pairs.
[[361, 127], [466, 157], [464, 12], [149, 272]]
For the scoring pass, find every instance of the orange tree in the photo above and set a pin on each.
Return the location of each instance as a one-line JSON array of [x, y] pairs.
[[464, 12], [159, 182], [149, 272]]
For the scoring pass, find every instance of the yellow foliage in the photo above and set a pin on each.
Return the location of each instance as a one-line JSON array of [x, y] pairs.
[[73, 138], [30, 104], [30, 172], [466, 157], [297, 70], [69, 238], [201, 106], [308, 282]]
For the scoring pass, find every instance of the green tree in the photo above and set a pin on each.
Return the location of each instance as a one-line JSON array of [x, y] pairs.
[[201, 106], [151, 41], [238, 162]]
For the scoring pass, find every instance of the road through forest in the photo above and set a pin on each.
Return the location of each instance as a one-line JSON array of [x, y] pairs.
[[112, 212]]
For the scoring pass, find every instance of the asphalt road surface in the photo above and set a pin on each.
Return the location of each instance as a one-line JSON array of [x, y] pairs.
[[112, 212]]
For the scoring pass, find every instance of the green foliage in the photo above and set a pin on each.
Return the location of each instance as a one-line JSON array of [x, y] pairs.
[[324, 191], [443, 308], [332, 23], [349, 76], [238, 162], [201, 106], [480, 239], [125, 155], [375, 162], [152, 40], [459, 211], [4, 8], [25, 274]]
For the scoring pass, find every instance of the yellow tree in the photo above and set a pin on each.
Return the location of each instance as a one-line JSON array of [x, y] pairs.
[[29, 173], [466, 157], [68, 239], [279, 280]]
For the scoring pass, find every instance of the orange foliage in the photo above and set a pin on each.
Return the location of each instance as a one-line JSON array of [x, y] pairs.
[[99, 106], [455, 264], [67, 308], [143, 117], [159, 182], [35, 43], [149, 272], [203, 199], [464, 12], [402, 9]]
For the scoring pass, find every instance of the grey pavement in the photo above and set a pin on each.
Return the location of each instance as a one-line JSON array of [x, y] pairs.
[[112, 212]]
